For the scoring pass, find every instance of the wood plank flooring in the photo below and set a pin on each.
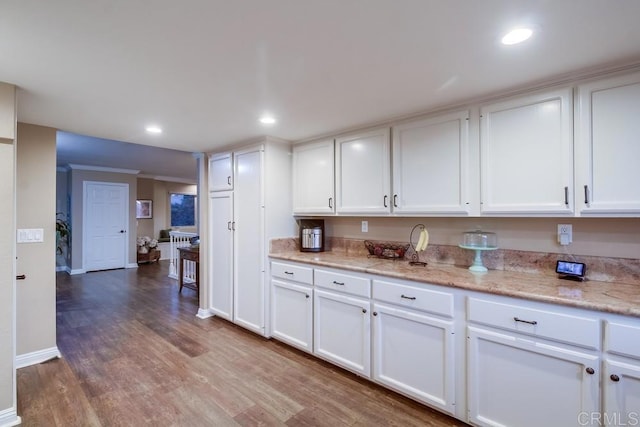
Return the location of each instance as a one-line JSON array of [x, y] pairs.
[[135, 354]]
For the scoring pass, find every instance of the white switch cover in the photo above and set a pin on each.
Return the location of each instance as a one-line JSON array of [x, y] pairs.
[[365, 226], [30, 235], [565, 234]]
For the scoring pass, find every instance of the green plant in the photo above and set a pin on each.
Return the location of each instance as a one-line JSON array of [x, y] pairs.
[[62, 232]]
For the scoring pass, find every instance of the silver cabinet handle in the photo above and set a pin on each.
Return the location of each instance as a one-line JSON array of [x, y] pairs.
[[566, 196], [233, 225], [229, 225], [229, 180], [395, 200], [384, 201], [338, 283], [406, 297], [330, 202], [289, 273]]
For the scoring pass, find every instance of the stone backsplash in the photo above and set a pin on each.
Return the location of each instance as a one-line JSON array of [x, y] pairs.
[[623, 270]]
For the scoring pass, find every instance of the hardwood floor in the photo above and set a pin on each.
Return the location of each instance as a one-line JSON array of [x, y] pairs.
[[134, 354]]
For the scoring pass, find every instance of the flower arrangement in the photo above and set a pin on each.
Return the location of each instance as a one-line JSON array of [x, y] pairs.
[[146, 243]]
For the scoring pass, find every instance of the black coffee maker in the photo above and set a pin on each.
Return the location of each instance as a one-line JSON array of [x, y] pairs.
[[311, 235]]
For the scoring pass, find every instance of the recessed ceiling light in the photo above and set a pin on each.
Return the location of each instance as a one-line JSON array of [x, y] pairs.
[[267, 120], [517, 36], [153, 129]]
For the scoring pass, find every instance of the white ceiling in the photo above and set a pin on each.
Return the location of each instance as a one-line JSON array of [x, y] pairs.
[[205, 70]]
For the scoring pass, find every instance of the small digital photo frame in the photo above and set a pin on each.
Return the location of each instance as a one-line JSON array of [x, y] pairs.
[[571, 270]]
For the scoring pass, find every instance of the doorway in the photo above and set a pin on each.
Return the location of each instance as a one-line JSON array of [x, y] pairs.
[[106, 219]]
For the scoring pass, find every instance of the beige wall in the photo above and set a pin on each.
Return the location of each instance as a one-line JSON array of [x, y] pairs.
[[618, 238], [158, 191], [7, 252], [36, 208], [145, 192], [161, 208], [76, 179]]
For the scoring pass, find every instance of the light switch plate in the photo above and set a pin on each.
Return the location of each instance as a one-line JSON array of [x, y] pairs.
[[30, 235]]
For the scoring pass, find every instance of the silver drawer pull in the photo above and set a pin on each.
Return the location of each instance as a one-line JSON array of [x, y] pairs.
[[288, 272], [406, 297], [530, 322], [338, 283]]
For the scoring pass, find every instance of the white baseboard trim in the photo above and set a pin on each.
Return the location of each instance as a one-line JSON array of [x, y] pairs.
[[132, 265], [62, 268], [9, 417], [35, 357], [76, 271], [204, 313]]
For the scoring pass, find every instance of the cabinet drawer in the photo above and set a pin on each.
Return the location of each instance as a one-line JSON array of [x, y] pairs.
[[343, 282], [569, 328], [414, 297], [294, 272], [622, 339]]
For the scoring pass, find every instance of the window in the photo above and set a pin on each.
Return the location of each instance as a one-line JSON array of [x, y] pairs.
[[183, 210]]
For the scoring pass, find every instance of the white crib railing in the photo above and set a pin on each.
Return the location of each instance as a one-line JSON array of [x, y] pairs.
[[180, 239]]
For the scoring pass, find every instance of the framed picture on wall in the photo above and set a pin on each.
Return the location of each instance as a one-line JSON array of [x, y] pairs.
[[144, 209]]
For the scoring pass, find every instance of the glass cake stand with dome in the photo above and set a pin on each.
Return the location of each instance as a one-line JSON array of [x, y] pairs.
[[479, 241]]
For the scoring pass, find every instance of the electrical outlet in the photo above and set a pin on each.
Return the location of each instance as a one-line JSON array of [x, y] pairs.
[[365, 226], [565, 234]]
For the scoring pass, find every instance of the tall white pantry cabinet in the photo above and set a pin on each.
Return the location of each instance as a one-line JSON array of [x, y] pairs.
[[242, 221]]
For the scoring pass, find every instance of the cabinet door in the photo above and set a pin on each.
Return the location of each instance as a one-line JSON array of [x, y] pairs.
[[221, 254], [249, 292], [621, 384], [413, 353], [516, 381], [342, 328], [430, 166], [526, 150], [607, 148], [313, 178], [292, 314], [363, 173], [221, 172]]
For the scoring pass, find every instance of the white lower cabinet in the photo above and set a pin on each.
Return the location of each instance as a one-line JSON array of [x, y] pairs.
[[518, 371], [621, 374], [522, 364], [342, 330], [516, 381], [413, 354], [292, 305]]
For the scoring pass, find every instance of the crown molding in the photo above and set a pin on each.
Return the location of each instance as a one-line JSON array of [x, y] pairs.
[[103, 169], [168, 179]]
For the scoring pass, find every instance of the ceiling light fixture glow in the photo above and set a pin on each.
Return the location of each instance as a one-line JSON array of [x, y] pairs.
[[267, 120], [153, 129], [517, 36]]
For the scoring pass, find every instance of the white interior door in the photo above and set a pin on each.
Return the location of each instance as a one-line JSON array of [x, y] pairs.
[[106, 207]]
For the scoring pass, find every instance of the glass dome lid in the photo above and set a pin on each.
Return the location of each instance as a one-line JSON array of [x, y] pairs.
[[478, 239]]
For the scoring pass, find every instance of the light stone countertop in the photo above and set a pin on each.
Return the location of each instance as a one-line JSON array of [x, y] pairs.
[[610, 297]]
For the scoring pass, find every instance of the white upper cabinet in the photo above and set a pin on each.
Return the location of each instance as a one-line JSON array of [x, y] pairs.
[[363, 173], [526, 152], [430, 166], [221, 172], [313, 178], [608, 147]]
